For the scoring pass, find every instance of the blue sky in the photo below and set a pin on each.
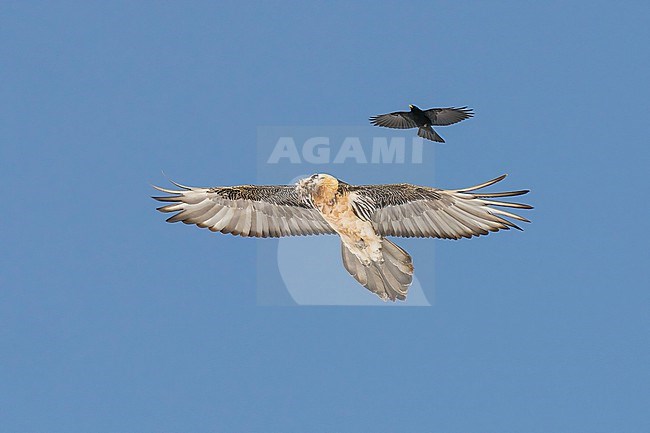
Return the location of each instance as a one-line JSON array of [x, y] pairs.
[[112, 320]]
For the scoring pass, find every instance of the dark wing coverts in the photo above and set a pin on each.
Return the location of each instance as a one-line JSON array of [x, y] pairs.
[[414, 211], [246, 210], [397, 120], [448, 116]]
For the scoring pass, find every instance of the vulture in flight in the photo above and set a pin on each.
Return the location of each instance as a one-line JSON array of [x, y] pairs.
[[361, 215]]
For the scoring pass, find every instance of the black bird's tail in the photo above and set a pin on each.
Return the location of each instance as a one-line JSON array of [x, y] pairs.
[[430, 134], [389, 279]]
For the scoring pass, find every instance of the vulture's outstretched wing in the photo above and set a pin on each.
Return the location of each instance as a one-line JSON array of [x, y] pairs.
[[397, 120], [417, 211], [246, 210], [448, 116]]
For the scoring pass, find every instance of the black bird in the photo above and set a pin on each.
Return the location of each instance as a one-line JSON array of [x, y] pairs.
[[423, 119]]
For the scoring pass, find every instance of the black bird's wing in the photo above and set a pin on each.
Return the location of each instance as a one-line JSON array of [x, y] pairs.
[[448, 116], [416, 211], [397, 120], [246, 210]]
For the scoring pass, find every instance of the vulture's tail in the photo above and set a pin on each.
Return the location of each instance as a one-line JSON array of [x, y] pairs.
[[389, 279]]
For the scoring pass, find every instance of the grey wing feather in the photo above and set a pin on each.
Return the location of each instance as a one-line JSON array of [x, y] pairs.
[[414, 211], [396, 120], [247, 210], [448, 116]]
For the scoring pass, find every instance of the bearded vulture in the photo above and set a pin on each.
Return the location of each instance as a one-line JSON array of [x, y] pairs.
[[361, 215]]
